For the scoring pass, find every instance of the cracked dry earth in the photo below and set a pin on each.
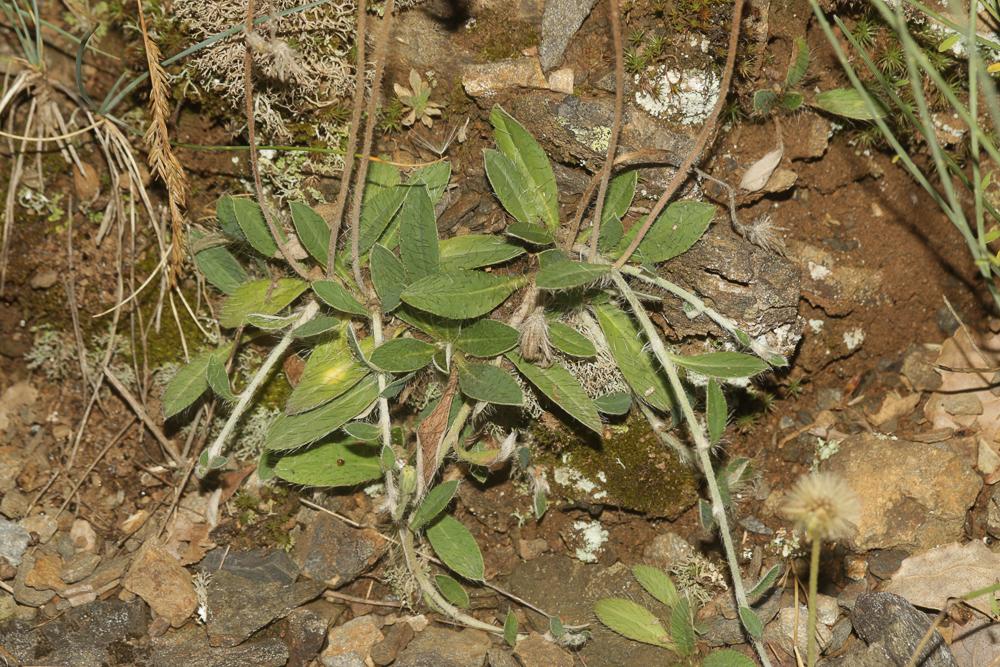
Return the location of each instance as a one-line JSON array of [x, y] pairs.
[[96, 570]]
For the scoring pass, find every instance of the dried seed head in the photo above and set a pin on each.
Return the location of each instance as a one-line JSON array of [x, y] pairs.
[[823, 507], [534, 340]]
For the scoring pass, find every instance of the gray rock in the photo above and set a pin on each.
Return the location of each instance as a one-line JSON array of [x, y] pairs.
[[441, 647], [889, 620], [568, 588], [862, 656], [560, 21], [94, 635], [238, 607], [884, 562], [305, 635], [14, 504], [666, 550], [913, 495], [841, 632], [334, 553], [13, 541], [269, 565], [189, 647], [25, 594], [791, 626]]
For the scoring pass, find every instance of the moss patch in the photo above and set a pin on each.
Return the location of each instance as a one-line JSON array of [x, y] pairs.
[[630, 468]]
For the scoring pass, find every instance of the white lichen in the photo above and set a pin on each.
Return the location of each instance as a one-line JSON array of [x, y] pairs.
[[593, 535], [686, 96], [854, 338]]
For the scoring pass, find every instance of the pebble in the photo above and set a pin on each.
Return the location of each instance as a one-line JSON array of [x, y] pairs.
[[442, 647], [889, 620], [189, 647], [14, 504], [884, 563], [993, 512], [790, 625], [14, 540], [158, 578], [560, 21], [350, 643], [487, 79], [83, 535], [667, 549], [397, 636], [79, 567], [43, 279], [536, 651], [531, 549], [25, 594], [42, 525], [305, 635], [45, 573]]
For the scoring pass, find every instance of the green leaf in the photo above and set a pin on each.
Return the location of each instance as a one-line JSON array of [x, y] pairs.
[[612, 232], [615, 403], [402, 355], [475, 250], [251, 221], [727, 657], [765, 584], [705, 516], [569, 341], [292, 431], [438, 328], [716, 411], [632, 621], [488, 383], [792, 101], [726, 365], [456, 547], [508, 184], [316, 326], [376, 214], [435, 502], [541, 199], [313, 232], [556, 628], [486, 338], [225, 211], [751, 622], [560, 387], [187, 385], [329, 372], [628, 350], [452, 591], [271, 322], [337, 297], [418, 241], [265, 465], [334, 463], [764, 101], [673, 233], [381, 176], [559, 273], [618, 199], [220, 269], [262, 297], [533, 234], [434, 177], [847, 102], [800, 63], [388, 277], [510, 628], [217, 377], [206, 464], [682, 628], [363, 431], [539, 503], [949, 42], [657, 583], [461, 294]]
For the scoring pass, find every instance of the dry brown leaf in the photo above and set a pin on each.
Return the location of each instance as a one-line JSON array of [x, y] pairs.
[[929, 579], [942, 409], [759, 173], [431, 431], [894, 406]]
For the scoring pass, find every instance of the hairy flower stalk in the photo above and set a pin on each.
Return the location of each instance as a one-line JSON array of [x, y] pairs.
[[823, 507]]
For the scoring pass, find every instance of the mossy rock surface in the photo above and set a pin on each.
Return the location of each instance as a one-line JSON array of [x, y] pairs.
[[630, 468]]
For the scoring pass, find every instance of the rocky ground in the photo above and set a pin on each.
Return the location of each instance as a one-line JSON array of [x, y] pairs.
[[116, 559]]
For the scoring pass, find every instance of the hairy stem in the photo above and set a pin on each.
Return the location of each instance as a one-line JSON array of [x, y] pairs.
[[352, 138], [700, 142], [254, 166], [702, 446], [385, 425], [416, 568], [381, 45], [215, 449], [811, 648]]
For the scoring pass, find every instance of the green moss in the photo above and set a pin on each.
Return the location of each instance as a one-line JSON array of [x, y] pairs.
[[495, 36], [632, 468]]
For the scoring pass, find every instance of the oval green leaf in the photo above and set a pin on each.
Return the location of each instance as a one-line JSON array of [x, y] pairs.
[[329, 464], [486, 338], [560, 387], [452, 591], [402, 355], [433, 504], [632, 621], [293, 431], [473, 251], [490, 384], [569, 341], [727, 365], [337, 297], [262, 297], [456, 547], [460, 294], [313, 232]]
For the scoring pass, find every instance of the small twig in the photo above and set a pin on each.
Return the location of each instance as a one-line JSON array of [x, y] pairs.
[[148, 421], [700, 142], [352, 137], [381, 45], [354, 598], [252, 143], [616, 126], [111, 443], [316, 506]]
